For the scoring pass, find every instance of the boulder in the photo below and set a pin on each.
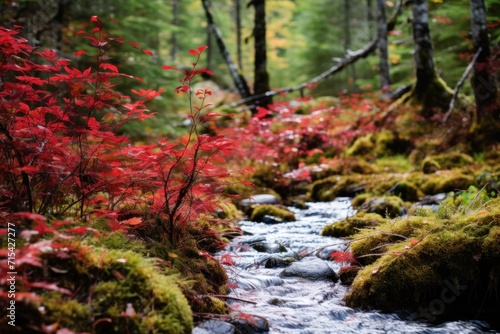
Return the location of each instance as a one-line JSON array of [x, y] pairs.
[[314, 269]]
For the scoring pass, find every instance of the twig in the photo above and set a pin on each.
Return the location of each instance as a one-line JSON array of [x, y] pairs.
[[234, 298], [460, 83], [351, 58]]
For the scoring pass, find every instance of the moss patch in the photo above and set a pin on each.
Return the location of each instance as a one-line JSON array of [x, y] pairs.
[[112, 291], [351, 225], [260, 211]]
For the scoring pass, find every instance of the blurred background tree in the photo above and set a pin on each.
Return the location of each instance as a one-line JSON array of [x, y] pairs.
[[304, 38]]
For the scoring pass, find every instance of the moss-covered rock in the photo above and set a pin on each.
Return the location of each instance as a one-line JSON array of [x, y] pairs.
[[351, 225], [407, 191], [450, 263], [430, 165], [260, 211], [336, 186], [364, 145], [447, 181], [107, 291], [387, 206], [371, 243]]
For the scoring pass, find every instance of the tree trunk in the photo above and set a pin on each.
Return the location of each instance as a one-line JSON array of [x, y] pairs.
[[175, 22], [347, 28], [237, 5], [385, 79], [42, 21], [261, 76], [430, 90], [238, 79], [483, 81], [369, 18], [424, 61]]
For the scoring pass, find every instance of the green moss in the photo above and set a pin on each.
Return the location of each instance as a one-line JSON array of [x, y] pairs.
[[271, 210], [394, 164], [364, 145], [230, 211], [453, 160], [66, 312], [446, 182], [371, 243], [430, 165], [419, 257], [388, 143], [119, 240], [407, 191], [358, 200], [336, 186], [108, 282], [351, 225]]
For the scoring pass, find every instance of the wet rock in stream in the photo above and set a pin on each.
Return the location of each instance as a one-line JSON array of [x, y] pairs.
[[314, 269], [214, 327]]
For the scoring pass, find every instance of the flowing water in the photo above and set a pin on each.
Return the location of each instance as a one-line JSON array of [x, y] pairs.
[[297, 305]]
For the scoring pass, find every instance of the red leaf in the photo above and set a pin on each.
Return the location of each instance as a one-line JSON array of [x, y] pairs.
[[168, 68], [194, 52], [261, 112], [202, 48], [227, 260], [343, 257], [181, 89], [79, 53], [110, 67], [30, 215], [132, 221], [149, 53], [135, 44], [30, 169], [80, 230]]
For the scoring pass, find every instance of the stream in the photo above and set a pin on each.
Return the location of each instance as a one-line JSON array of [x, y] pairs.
[[298, 305]]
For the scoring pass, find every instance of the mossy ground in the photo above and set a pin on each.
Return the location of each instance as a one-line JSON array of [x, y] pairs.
[[100, 290]]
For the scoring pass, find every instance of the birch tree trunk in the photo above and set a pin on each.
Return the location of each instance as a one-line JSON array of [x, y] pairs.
[[483, 81], [261, 76], [385, 79]]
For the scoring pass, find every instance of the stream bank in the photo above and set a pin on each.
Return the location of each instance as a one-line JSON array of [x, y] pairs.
[[304, 305]]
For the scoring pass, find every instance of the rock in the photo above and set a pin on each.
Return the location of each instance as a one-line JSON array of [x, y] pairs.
[[347, 274], [251, 324], [260, 199], [269, 248], [314, 269], [271, 220], [214, 327], [277, 261], [253, 241], [386, 206]]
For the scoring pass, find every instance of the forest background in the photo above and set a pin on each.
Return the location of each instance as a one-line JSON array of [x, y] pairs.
[[304, 38]]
